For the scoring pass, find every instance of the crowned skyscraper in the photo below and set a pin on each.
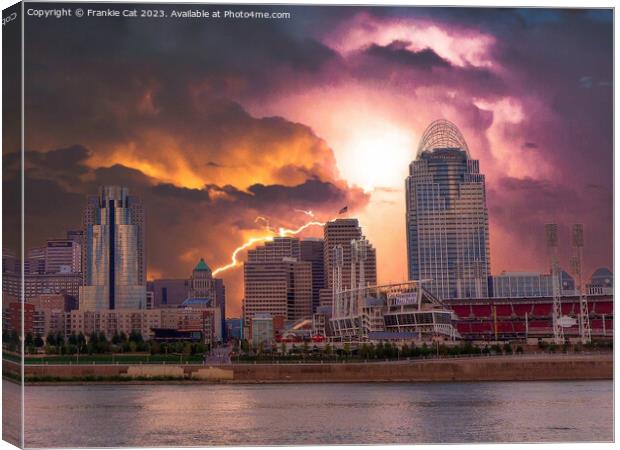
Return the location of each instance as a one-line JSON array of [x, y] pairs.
[[113, 258], [447, 218]]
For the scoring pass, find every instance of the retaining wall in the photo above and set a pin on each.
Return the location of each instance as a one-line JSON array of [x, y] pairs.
[[506, 368]]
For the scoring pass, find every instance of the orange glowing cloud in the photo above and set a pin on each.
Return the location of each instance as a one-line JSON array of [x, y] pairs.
[[277, 153]]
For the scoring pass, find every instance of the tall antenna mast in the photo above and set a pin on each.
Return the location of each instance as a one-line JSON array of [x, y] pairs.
[[551, 237], [577, 266]]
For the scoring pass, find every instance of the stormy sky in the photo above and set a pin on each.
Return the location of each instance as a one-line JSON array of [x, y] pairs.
[[214, 123]]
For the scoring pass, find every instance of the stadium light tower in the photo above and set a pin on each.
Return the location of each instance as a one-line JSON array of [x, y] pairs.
[[577, 266], [551, 237]]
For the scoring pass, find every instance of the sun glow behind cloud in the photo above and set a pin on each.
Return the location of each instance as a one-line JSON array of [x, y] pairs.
[[375, 154]]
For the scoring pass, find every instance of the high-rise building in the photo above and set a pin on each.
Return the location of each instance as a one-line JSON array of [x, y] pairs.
[[206, 292], [168, 292], [10, 261], [276, 282], [35, 261], [63, 255], [446, 216], [280, 247], [77, 236], [220, 300], [342, 232], [114, 269], [311, 250], [41, 283], [201, 283]]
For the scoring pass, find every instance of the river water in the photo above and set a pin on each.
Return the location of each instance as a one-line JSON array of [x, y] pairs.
[[364, 413]]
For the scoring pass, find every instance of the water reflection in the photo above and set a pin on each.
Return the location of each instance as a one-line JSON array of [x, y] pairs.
[[11, 412], [175, 415]]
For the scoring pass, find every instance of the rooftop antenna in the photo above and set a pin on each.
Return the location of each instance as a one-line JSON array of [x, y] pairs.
[[551, 237]]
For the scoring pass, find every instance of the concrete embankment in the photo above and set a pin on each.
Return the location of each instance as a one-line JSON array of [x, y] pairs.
[[497, 368]]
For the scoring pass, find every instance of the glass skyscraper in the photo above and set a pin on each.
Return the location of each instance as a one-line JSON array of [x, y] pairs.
[[114, 272], [447, 218]]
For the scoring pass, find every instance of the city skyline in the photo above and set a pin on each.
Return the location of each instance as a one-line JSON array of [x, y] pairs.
[[275, 248], [537, 122]]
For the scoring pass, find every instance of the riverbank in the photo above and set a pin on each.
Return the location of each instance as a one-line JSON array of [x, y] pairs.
[[493, 368]]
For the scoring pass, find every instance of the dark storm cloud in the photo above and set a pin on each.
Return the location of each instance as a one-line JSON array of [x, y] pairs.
[[523, 206], [423, 68], [397, 52]]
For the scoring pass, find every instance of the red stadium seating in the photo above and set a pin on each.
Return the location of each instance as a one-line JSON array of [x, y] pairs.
[[481, 310], [520, 310], [510, 318], [567, 308], [543, 309], [503, 310], [540, 324], [603, 308], [463, 327], [481, 327], [504, 327], [596, 324], [463, 311]]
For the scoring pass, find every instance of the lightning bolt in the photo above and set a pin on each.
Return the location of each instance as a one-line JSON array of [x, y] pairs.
[[265, 221], [234, 262], [307, 213]]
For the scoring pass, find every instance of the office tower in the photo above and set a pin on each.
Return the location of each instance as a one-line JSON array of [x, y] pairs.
[[201, 282], [220, 300], [276, 282], [41, 283], [10, 261], [280, 247], [342, 232], [77, 236], [446, 216], [35, 261], [114, 255], [206, 292], [133, 213], [311, 249], [63, 255], [168, 292]]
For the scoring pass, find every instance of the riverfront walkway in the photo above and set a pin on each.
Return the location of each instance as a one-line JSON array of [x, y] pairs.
[[484, 368]]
